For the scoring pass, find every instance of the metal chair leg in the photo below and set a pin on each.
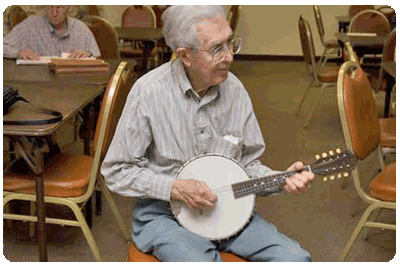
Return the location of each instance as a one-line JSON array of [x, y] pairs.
[[303, 98]]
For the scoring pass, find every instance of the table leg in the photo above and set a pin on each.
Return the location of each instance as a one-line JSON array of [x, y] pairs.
[[40, 205], [389, 88]]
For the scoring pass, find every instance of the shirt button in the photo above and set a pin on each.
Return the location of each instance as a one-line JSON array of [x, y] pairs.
[[202, 131]]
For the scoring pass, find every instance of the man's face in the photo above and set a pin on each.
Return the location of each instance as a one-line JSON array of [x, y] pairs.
[[211, 33], [56, 14]]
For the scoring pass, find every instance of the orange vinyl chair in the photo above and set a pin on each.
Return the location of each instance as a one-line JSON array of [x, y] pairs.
[[16, 15], [354, 9], [135, 255], [332, 48], [140, 16], [233, 17], [321, 76], [361, 132], [106, 36], [387, 125], [69, 180]]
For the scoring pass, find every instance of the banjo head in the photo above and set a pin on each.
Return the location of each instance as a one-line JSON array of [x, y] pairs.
[[229, 215]]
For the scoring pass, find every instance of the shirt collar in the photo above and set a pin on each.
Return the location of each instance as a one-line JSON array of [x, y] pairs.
[[184, 84], [53, 30]]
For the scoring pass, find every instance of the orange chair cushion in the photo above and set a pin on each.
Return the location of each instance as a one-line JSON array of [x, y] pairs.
[[388, 132], [334, 43], [383, 187], [328, 75], [64, 175], [136, 255]]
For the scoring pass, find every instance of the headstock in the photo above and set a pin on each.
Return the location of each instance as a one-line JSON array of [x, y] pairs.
[[331, 163]]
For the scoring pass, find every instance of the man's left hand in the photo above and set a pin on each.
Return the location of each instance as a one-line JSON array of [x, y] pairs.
[[79, 54], [299, 182]]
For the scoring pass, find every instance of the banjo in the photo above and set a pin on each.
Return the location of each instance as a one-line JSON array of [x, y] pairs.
[[227, 179]]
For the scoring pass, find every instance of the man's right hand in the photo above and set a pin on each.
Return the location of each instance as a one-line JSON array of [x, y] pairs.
[[28, 55], [194, 193]]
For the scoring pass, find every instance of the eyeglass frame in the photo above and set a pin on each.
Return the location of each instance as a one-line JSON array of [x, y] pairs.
[[225, 48]]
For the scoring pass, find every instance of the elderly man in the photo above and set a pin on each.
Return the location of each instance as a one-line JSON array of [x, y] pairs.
[[181, 110], [50, 35]]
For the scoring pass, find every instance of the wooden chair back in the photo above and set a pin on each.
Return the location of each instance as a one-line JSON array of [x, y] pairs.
[[139, 16], [17, 15], [106, 36], [354, 9], [307, 45], [233, 16], [111, 107], [359, 108], [369, 21]]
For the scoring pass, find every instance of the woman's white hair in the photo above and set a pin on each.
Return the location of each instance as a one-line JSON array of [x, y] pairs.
[[179, 23]]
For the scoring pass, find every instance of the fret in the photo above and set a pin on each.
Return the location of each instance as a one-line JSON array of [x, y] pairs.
[[260, 184]]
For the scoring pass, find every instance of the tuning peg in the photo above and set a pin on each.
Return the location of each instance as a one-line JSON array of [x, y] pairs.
[[331, 152], [317, 157], [346, 174], [339, 176], [324, 155], [338, 151], [325, 179], [332, 177]]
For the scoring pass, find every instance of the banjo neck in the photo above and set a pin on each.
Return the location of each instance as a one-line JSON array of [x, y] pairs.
[[253, 186]]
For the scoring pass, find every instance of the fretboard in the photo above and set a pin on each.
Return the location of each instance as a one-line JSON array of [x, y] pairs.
[[253, 186]]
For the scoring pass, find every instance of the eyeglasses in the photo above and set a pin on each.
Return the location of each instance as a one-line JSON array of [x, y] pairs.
[[218, 51]]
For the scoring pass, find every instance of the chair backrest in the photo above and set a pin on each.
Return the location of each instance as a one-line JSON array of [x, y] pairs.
[[358, 110], [360, 125], [158, 10], [106, 36], [17, 15], [307, 45], [349, 54], [111, 107], [233, 16], [139, 17], [388, 11], [354, 9], [389, 47], [369, 21], [112, 104], [320, 25]]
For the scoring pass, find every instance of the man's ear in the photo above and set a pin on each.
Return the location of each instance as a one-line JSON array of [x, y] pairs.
[[184, 55]]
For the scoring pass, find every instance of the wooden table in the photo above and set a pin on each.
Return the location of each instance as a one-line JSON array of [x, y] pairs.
[[370, 41], [68, 94], [148, 36]]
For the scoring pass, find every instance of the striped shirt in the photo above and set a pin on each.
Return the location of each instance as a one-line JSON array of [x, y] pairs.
[[37, 34], [165, 123]]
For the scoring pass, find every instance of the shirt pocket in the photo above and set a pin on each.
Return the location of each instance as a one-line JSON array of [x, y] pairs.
[[228, 145]]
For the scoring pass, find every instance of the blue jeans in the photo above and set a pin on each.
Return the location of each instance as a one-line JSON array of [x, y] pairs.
[[157, 231]]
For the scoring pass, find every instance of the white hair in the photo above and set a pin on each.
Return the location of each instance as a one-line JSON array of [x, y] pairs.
[[179, 23]]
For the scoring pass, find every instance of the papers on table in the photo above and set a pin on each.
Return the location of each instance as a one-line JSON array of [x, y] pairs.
[[361, 34], [47, 60]]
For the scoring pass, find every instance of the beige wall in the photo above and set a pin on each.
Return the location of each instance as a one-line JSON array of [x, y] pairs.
[[267, 29], [273, 30]]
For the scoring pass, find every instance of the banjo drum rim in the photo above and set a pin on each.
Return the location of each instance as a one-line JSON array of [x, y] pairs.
[[246, 222]]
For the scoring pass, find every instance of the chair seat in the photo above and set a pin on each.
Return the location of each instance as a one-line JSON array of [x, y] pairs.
[[388, 132], [383, 187], [65, 175], [334, 43], [136, 255], [328, 75]]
